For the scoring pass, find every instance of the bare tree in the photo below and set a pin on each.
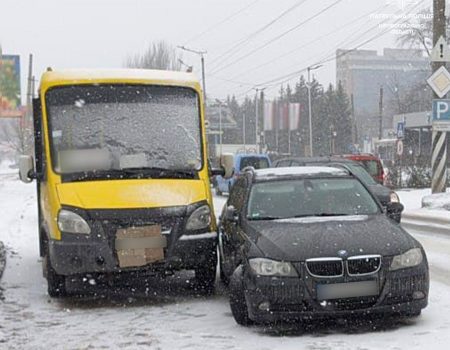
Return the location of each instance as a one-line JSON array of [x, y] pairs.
[[421, 33], [158, 55]]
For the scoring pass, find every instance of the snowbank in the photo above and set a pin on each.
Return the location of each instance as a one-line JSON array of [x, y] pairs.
[[439, 201]]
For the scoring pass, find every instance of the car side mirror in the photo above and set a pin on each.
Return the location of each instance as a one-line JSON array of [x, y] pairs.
[[26, 168], [394, 211], [218, 172], [231, 214], [227, 163]]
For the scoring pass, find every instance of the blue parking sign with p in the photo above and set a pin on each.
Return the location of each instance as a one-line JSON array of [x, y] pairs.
[[441, 110]]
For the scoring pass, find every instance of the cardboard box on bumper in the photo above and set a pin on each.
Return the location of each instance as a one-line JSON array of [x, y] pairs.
[[139, 246]]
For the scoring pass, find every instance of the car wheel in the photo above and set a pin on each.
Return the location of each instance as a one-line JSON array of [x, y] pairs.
[[238, 303], [56, 284], [205, 276]]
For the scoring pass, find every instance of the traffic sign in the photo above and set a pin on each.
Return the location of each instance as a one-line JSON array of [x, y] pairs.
[[399, 147], [441, 51], [440, 81], [441, 110], [400, 130]]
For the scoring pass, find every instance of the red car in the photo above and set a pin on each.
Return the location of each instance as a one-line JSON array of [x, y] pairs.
[[372, 164]]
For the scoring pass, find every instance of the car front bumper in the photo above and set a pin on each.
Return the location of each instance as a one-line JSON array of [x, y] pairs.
[[271, 299]]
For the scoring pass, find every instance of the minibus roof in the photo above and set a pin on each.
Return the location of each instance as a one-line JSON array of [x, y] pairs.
[[117, 76]]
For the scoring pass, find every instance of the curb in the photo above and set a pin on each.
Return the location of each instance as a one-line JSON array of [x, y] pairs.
[[429, 221], [2, 259]]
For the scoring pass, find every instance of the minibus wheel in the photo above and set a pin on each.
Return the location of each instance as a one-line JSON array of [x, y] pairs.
[[56, 284], [205, 276]]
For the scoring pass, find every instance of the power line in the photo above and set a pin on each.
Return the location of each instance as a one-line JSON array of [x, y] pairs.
[[195, 37], [330, 57], [312, 41], [279, 36], [231, 51]]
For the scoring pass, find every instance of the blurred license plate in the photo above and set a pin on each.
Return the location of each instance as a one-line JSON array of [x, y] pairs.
[[347, 290]]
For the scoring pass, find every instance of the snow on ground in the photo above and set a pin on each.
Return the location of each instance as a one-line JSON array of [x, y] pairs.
[[178, 319], [412, 198]]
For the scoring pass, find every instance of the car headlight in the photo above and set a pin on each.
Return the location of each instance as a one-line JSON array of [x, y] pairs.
[[267, 267], [412, 257], [70, 222], [199, 219], [394, 198]]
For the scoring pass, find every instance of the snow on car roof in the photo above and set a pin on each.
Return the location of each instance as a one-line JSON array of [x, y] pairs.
[[296, 171], [78, 76]]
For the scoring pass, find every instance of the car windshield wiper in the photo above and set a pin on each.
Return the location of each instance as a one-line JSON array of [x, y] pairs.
[[264, 218], [319, 214]]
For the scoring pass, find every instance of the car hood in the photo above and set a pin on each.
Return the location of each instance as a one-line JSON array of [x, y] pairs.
[[305, 238]]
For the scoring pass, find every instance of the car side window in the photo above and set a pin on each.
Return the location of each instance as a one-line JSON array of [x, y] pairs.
[[237, 194], [283, 163]]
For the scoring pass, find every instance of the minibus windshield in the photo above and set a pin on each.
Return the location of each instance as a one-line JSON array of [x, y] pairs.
[[110, 129]]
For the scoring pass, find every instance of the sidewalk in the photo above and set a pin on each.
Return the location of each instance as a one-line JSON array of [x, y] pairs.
[[422, 219]]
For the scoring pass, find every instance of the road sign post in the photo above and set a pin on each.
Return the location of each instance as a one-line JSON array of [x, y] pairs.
[[440, 83]]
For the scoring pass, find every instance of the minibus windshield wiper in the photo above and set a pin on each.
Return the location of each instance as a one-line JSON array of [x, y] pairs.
[[158, 171]]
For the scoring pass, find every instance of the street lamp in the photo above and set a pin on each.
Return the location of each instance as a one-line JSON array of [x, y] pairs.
[[310, 68], [201, 54]]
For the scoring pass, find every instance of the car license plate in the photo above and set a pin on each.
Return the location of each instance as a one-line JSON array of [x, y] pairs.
[[347, 290]]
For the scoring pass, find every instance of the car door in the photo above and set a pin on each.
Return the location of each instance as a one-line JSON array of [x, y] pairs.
[[230, 237]]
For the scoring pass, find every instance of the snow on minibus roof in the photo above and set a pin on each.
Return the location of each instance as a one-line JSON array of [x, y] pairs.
[[300, 171], [86, 76]]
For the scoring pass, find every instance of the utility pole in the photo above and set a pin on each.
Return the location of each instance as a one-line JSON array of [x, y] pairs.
[[202, 54], [354, 126], [310, 108], [257, 132], [439, 138], [243, 132], [380, 126]]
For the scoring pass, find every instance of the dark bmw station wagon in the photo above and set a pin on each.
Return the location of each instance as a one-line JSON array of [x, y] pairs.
[[312, 242]]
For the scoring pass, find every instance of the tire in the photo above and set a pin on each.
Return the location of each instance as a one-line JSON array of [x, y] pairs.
[[56, 284], [223, 277], [205, 276], [238, 303]]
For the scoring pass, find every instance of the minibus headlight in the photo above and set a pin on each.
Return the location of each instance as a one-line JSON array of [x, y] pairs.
[[199, 219], [70, 222]]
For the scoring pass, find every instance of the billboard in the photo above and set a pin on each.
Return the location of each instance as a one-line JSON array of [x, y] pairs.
[[10, 101]]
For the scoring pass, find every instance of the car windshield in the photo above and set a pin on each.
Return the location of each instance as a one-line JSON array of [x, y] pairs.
[[255, 162], [362, 173], [309, 197], [114, 127], [371, 166]]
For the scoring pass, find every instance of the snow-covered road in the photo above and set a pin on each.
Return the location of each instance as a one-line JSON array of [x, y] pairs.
[[29, 319]]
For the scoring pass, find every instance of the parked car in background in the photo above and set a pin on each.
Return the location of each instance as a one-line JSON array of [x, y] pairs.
[[372, 164], [241, 161], [312, 242], [384, 194]]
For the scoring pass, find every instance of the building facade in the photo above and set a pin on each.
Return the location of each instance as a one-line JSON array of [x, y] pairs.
[[363, 72]]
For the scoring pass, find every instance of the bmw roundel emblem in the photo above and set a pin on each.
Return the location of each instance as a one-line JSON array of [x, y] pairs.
[[342, 253]]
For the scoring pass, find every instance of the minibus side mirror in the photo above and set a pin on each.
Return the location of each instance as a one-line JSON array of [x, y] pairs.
[[227, 163], [26, 168]]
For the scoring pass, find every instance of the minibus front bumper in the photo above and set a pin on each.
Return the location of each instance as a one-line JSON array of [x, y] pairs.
[[96, 253]]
